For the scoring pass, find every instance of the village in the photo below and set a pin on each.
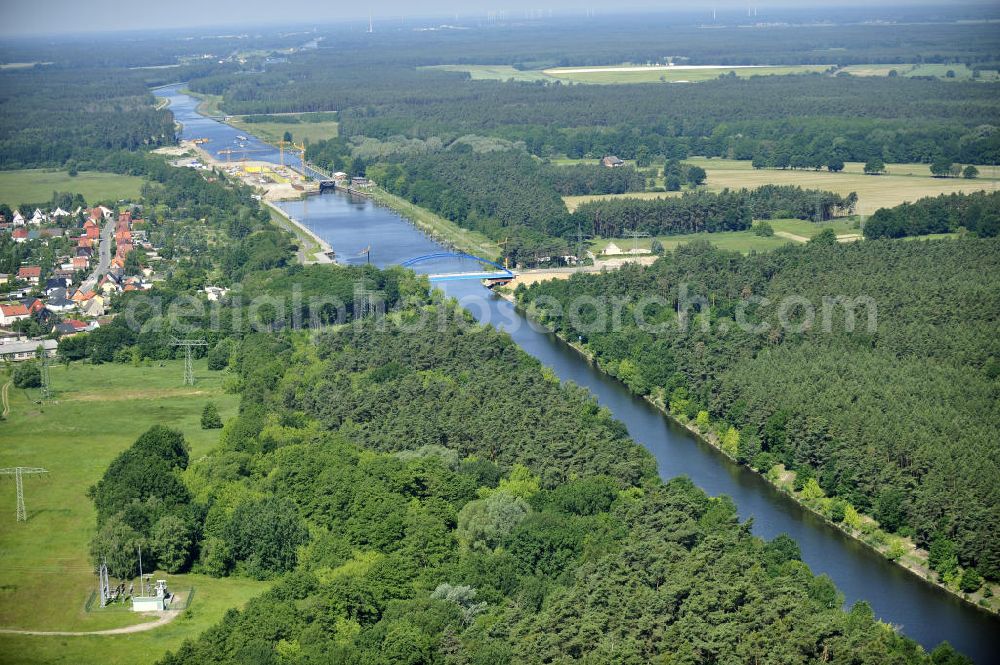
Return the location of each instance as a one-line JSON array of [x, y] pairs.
[[76, 263]]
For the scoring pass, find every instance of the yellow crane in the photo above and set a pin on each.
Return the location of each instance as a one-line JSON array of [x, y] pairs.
[[503, 247]]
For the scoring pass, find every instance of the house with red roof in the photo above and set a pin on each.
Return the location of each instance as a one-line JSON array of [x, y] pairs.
[[12, 312], [33, 305], [92, 231], [20, 234], [29, 273]]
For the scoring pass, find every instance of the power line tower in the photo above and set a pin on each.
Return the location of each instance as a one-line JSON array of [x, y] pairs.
[[104, 583], [18, 472], [188, 344], [580, 237], [46, 389], [635, 235]]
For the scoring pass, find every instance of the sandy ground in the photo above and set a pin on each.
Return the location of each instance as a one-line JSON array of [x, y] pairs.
[[535, 275], [271, 191]]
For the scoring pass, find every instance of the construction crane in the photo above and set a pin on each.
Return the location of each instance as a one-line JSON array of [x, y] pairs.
[[503, 247], [300, 147]]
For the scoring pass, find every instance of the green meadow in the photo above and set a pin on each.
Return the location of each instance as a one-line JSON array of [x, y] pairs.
[[46, 576], [37, 185]]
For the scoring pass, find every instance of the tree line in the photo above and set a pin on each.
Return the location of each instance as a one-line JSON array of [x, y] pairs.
[[514, 198], [58, 117], [978, 213], [707, 212], [897, 421], [411, 512]]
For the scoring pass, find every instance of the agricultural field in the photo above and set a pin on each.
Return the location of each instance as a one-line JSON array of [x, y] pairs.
[[624, 73], [901, 182], [962, 72], [37, 185], [298, 124], [96, 412], [786, 231], [676, 74], [495, 72]]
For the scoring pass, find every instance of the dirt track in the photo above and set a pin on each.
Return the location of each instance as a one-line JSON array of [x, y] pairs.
[[163, 618]]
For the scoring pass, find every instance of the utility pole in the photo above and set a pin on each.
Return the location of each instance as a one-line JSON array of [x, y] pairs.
[[104, 583], [18, 472], [635, 235], [188, 344], [46, 389]]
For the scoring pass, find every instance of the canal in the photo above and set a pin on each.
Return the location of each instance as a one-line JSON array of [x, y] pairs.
[[921, 611]]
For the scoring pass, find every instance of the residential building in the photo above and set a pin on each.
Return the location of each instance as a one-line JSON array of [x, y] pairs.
[[26, 349], [11, 313], [31, 274]]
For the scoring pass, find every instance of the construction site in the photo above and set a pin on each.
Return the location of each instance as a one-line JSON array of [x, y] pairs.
[[276, 182]]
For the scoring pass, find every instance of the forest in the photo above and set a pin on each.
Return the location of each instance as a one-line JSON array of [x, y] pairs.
[[513, 197], [978, 213], [813, 118], [411, 511], [53, 117], [701, 211], [814, 393]]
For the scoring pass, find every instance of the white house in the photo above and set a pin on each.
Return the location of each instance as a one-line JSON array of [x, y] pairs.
[[18, 219], [37, 218]]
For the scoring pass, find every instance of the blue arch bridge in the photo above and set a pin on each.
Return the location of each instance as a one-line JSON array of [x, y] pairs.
[[493, 273]]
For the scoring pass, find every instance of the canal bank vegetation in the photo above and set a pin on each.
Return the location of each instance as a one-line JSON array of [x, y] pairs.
[[842, 416], [308, 245], [434, 493], [439, 228], [500, 193]]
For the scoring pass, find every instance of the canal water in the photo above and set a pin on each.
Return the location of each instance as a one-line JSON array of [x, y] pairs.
[[351, 224]]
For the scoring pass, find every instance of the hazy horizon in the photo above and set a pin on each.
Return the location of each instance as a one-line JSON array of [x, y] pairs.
[[34, 18]]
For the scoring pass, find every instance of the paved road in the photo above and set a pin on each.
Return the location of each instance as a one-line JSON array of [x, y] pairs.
[[104, 256]]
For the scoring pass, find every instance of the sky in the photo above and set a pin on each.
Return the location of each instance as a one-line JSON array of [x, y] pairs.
[[27, 17]]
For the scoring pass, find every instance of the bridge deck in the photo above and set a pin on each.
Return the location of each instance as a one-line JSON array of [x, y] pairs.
[[454, 276]]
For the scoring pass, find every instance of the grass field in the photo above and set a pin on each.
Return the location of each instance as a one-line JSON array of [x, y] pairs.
[[738, 241], [672, 75], [962, 71], [211, 600], [609, 75], [208, 104], [902, 182], [272, 132], [37, 185], [45, 573], [497, 72]]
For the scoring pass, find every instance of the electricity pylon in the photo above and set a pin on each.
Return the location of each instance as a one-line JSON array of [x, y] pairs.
[[188, 360], [46, 390], [17, 472]]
